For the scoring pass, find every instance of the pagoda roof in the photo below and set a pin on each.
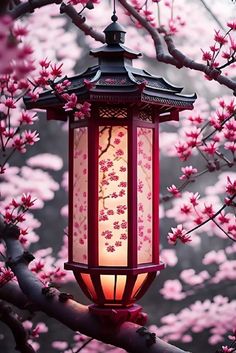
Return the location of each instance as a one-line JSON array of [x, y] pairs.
[[115, 81]]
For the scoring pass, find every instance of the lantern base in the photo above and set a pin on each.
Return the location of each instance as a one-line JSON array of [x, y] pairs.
[[118, 315]]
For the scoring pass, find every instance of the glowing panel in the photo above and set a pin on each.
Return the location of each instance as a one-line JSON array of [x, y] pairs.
[[80, 186], [108, 286], [138, 284], [113, 220], [144, 193], [89, 284], [120, 286]]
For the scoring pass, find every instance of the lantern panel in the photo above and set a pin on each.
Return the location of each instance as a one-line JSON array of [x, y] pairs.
[[89, 284], [120, 286], [80, 204], [145, 194], [108, 286], [113, 215], [138, 284], [113, 287]]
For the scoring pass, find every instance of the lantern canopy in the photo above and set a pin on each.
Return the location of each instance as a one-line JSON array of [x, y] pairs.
[[114, 171]]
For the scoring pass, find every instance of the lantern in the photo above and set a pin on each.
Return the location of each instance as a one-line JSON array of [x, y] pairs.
[[114, 172]]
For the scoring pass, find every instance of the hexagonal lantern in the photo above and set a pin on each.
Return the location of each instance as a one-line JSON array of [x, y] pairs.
[[114, 172]]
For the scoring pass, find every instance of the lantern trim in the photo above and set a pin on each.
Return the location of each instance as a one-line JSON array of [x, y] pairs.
[[143, 268]]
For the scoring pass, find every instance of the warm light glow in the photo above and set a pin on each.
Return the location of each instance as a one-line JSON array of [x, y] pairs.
[[80, 185], [113, 286], [138, 284], [108, 286], [120, 286], [145, 198], [89, 284], [113, 225]]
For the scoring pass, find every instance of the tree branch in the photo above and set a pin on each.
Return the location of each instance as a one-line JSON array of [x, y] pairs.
[[160, 55], [11, 319], [79, 21], [30, 6], [177, 58], [72, 314]]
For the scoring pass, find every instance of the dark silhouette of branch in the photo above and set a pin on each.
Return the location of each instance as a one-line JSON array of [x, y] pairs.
[[79, 21], [213, 217], [11, 319], [77, 317], [4, 6]]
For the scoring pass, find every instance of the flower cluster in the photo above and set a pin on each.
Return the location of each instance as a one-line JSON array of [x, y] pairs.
[[17, 60], [222, 53], [6, 275]]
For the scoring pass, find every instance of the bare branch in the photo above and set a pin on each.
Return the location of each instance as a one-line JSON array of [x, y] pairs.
[[72, 314], [79, 21], [11, 319]]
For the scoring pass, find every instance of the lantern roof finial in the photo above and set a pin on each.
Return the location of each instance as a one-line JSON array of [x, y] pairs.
[[114, 32]]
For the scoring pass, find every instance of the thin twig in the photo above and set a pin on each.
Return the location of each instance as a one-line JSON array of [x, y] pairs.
[[213, 217], [212, 14], [79, 21]]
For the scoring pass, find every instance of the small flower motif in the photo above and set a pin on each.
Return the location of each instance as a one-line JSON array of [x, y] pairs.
[[111, 248]]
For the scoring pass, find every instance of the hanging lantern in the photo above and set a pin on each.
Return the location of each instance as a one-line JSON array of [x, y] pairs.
[[114, 172]]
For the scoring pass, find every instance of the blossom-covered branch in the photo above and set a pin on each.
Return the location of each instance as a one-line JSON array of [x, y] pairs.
[[72, 314], [176, 57]]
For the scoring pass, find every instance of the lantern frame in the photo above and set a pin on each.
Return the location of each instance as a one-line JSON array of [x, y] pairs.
[[114, 83]]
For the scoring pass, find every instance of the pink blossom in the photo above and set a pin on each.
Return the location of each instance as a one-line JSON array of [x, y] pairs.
[[193, 198], [56, 70], [188, 172], [60, 345], [30, 137], [232, 25], [226, 349], [173, 290], [46, 161], [231, 186], [71, 101], [178, 233], [220, 38], [174, 190], [9, 103]]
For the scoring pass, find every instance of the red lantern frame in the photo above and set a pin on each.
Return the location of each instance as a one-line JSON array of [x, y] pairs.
[[132, 270], [148, 100]]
